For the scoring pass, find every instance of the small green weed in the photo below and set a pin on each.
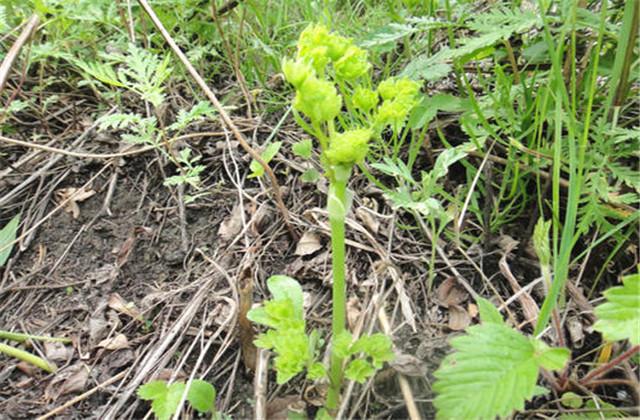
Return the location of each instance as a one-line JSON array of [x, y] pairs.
[[165, 399]]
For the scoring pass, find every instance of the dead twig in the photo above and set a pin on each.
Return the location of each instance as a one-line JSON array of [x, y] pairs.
[[226, 119], [405, 388], [11, 56], [84, 396], [260, 384]]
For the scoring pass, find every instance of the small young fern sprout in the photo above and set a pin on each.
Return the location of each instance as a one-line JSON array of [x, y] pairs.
[[337, 105]]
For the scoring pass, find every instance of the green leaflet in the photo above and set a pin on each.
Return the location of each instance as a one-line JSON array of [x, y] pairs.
[[269, 153], [7, 237], [303, 148], [201, 396], [619, 316], [284, 315], [493, 371], [166, 398]]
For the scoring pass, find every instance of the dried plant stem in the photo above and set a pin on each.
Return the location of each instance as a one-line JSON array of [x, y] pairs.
[[405, 388], [226, 119], [11, 56], [594, 374]]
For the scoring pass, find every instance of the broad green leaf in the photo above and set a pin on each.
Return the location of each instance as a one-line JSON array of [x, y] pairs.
[[445, 160], [422, 114], [492, 373], [488, 312], [7, 237], [201, 396], [269, 153], [303, 148], [359, 370], [284, 287], [153, 390], [548, 357], [619, 316]]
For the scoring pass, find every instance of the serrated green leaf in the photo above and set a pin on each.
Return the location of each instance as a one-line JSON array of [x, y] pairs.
[[619, 316], [359, 370], [153, 390], [165, 407], [377, 346], [341, 345], [316, 371], [259, 316], [303, 148], [492, 373], [7, 237], [488, 312], [284, 287], [267, 155], [201, 396]]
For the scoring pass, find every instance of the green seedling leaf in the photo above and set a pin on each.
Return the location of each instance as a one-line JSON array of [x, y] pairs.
[[164, 398], [488, 312], [7, 237], [359, 370], [571, 400], [619, 316], [303, 148], [267, 155], [492, 373], [310, 175], [201, 396], [284, 287], [153, 390]]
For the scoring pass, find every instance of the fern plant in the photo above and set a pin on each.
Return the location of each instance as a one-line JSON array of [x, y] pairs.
[[145, 74]]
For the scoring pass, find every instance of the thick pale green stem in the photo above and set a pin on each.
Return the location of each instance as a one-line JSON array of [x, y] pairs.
[[27, 357], [337, 206]]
